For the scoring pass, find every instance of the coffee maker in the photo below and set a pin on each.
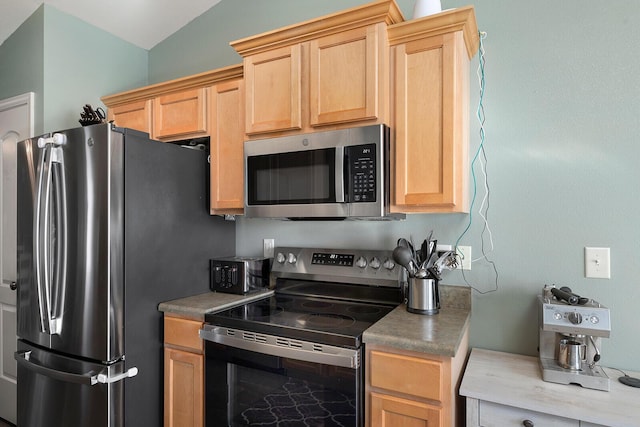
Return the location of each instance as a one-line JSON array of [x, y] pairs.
[[571, 329]]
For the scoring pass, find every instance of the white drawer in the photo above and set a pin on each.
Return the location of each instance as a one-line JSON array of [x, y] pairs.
[[494, 415]]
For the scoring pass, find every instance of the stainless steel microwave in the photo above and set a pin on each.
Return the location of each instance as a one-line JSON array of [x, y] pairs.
[[338, 174]]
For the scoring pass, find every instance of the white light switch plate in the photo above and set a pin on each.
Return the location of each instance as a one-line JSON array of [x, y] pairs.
[[597, 264]]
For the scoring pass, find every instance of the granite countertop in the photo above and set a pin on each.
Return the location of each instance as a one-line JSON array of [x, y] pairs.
[[439, 334], [197, 306], [515, 380]]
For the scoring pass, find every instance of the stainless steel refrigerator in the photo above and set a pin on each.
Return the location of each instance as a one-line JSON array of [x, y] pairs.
[[110, 224]]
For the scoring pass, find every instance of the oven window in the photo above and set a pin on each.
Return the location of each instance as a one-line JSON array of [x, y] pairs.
[[258, 389], [301, 177]]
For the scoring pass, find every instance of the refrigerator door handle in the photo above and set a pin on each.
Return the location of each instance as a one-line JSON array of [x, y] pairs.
[[24, 359], [51, 267]]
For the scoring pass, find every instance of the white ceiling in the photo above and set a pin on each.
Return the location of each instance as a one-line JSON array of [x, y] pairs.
[[143, 23]]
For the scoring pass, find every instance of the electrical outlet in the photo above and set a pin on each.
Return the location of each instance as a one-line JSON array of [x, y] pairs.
[[267, 247], [597, 263], [464, 257]]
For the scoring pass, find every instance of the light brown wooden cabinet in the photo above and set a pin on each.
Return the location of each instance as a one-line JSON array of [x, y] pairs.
[[408, 388], [180, 115], [274, 90], [207, 104], [183, 373], [324, 73], [364, 65], [430, 59], [226, 147], [134, 115]]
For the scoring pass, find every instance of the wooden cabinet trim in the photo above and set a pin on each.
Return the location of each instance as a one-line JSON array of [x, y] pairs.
[[459, 19], [183, 333], [195, 81], [385, 11]]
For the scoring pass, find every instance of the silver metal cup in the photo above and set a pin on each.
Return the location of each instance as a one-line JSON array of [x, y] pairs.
[[423, 296], [571, 354]]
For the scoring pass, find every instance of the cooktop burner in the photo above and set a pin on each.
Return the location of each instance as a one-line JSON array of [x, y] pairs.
[[319, 320], [324, 296]]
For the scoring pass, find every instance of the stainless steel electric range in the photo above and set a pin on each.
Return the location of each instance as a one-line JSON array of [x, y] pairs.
[[296, 358]]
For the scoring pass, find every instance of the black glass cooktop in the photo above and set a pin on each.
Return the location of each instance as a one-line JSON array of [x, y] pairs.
[[309, 318]]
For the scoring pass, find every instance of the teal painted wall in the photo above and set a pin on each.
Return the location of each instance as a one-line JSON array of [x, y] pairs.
[[67, 63], [83, 63], [562, 96], [204, 43], [21, 64]]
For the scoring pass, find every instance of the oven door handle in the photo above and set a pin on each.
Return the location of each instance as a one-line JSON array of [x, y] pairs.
[[282, 347]]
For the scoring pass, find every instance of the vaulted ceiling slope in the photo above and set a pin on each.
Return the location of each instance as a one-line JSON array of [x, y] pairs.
[[143, 23]]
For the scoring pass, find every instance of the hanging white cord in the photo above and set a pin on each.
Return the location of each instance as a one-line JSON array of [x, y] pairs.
[[481, 119]]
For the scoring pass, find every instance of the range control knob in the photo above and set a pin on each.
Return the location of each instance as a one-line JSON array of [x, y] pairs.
[[291, 258], [374, 263], [575, 318], [389, 264], [361, 262], [280, 258]]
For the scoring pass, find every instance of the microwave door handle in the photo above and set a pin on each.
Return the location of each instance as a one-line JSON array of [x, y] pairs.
[[341, 181]]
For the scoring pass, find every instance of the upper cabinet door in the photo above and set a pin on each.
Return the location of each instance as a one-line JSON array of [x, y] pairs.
[[274, 90], [344, 76], [226, 147], [180, 115], [431, 88], [134, 115]]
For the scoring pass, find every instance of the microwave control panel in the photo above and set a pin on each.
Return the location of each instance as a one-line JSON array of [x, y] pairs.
[[362, 173]]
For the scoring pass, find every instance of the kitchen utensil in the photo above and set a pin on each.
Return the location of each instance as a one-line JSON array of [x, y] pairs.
[[403, 256], [563, 295], [571, 354]]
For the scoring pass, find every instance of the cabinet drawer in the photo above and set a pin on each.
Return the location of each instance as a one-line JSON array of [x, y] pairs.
[[406, 374], [494, 415], [183, 333]]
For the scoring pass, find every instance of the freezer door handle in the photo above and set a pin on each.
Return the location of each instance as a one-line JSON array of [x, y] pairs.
[[23, 359]]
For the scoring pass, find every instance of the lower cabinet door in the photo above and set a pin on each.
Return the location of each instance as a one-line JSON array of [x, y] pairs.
[[391, 411], [183, 388]]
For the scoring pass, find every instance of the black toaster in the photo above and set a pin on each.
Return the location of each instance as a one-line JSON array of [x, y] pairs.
[[239, 275]]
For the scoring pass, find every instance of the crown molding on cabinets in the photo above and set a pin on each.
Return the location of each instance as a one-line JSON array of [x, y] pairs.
[[195, 81], [386, 11]]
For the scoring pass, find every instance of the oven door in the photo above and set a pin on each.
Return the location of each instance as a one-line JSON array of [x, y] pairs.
[[254, 384]]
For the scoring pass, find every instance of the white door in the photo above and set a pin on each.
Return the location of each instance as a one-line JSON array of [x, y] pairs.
[[16, 124]]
